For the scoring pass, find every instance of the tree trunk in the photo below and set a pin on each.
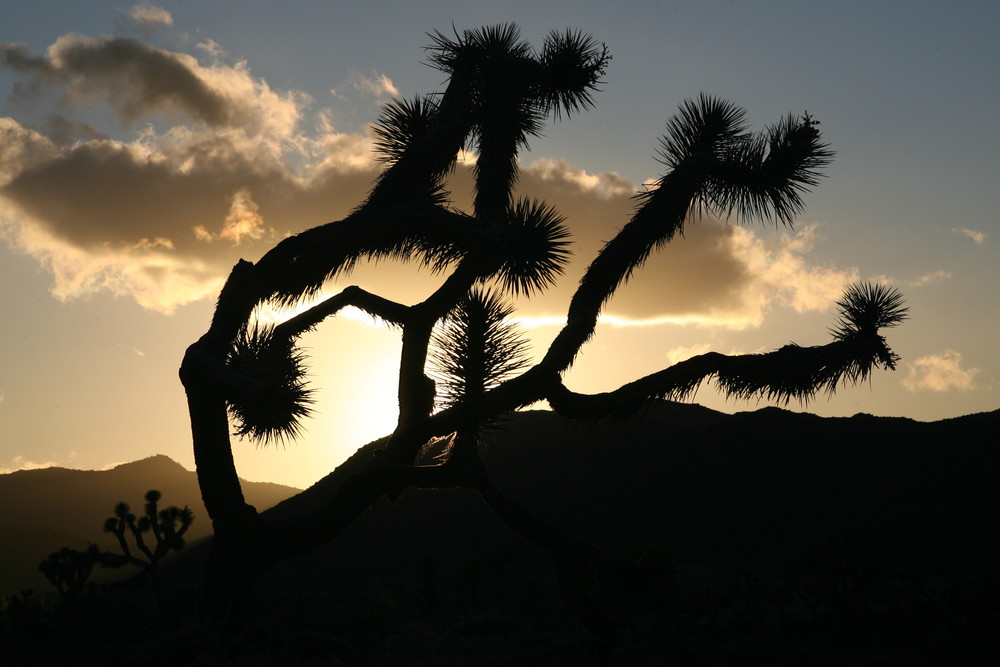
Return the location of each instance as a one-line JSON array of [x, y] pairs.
[[232, 565]]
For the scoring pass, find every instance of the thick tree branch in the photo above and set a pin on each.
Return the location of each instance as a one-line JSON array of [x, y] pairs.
[[791, 372]]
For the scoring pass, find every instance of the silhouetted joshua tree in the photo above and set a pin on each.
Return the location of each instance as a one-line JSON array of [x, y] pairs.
[[167, 527], [69, 569], [499, 93]]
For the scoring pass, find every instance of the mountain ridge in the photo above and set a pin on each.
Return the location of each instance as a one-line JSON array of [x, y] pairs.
[[726, 493], [727, 490], [45, 509]]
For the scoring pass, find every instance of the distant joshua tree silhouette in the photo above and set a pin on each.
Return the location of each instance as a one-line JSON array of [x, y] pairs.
[[167, 527], [69, 569], [460, 354]]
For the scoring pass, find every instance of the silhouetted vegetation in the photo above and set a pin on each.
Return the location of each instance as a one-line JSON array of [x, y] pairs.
[[166, 526], [767, 537], [462, 365], [68, 570]]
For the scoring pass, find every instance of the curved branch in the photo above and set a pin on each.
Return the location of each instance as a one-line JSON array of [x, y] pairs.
[[790, 372], [373, 304]]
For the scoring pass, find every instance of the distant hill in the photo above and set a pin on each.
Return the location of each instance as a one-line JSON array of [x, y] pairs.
[[722, 493], [44, 510], [875, 534]]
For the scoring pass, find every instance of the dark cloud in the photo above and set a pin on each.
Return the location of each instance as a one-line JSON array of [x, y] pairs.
[[103, 193], [163, 217], [18, 58], [696, 274], [64, 131], [138, 80]]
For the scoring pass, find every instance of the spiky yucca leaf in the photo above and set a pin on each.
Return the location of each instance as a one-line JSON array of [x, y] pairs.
[[399, 123], [507, 90], [474, 47], [280, 366], [867, 307], [701, 129], [764, 175], [573, 64], [535, 250], [736, 172], [475, 349]]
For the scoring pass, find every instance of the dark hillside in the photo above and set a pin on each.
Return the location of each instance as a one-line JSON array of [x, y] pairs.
[[44, 510], [766, 537], [722, 493]]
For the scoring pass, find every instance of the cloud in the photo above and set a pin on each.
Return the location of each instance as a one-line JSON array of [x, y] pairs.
[[560, 173], [242, 221], [725, 275], [679, 354], [21, 463], [131, 216], [940, 372], [147, 15], [138, 81], [376, 85], [212, 48], [929, 278], [160, 215], [979, 238], [149, 272], [21, 149]]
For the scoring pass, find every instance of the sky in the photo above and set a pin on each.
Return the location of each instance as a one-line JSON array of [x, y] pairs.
[[145, 148]]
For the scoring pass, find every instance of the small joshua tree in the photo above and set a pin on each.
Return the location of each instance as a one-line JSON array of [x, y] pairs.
[[167, 527], [69, 569]]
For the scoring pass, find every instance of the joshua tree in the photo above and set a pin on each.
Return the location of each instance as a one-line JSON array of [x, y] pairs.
[[167, 527], [69, 569], [499, 93]]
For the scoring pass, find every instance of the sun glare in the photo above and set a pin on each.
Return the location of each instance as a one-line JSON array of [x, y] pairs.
[[354, 368]]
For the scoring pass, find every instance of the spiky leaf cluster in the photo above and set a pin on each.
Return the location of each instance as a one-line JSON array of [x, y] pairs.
[[499, 65], [867, 307], [400, 122], [475, 349], [573, 63], [508, 90], [535, 249], [276, 410], [737, 172]]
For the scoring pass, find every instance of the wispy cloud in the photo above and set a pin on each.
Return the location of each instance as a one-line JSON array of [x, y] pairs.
[[21, 463], [242, 222], [376, 84], [977, 237], [146, 14], [940, 372], [929, 278], [679, 354]]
